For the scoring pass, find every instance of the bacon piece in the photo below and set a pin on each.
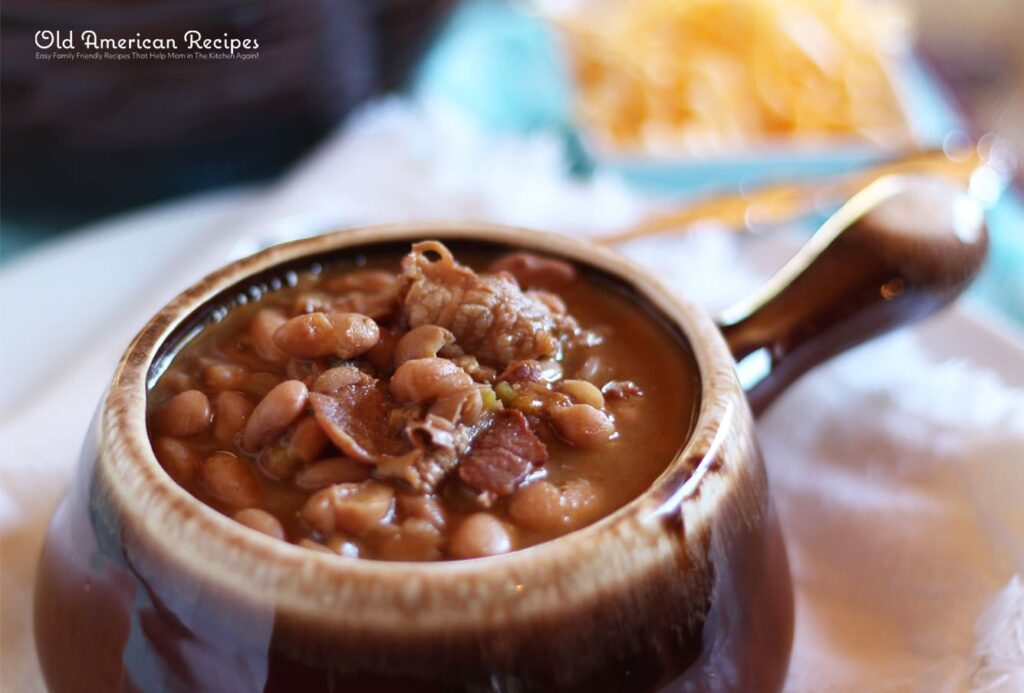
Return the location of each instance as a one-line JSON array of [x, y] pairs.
[[503, 455], [489, 315], [355, 418]]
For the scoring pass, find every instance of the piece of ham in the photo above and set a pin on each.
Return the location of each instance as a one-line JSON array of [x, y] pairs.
[[502, 456]]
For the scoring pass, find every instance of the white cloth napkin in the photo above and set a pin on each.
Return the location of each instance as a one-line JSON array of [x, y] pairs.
[[899, 476]]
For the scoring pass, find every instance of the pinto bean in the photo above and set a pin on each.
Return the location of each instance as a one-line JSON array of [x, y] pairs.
[[580, 497], [421, 380], [318, 511], [353, 508], [261, 521], [176, 381], [178, 458], [336, 470], [382, 353], [415, 540], [230, 480], [301, 369], [277, 462], [225, 376], [537, 506], [421, 507], [356, 334], [583, 392], [421, 342], [543, 507], [316, 335], [307, 336], [334, 379], [186, 414], [231, 410], [582, 425], [261, 334], [315, 546], [479, 535], [259, 384], [311, 302], [307, 440], [274, 414]]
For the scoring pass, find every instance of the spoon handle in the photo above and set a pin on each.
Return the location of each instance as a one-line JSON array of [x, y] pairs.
[[896, 252]]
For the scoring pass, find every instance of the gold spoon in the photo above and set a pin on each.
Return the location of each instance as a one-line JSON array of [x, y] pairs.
[[775, 204]]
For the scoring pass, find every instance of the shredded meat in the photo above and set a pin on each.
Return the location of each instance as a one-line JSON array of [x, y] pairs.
[[422, 470], [489, 315], [437, 444], [361, 421], [432, 432], [502, 456]]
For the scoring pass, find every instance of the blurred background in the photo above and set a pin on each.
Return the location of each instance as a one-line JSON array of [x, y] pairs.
[[677, 99]]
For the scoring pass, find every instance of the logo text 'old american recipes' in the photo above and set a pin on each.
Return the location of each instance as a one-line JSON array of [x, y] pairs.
[[88, 45]]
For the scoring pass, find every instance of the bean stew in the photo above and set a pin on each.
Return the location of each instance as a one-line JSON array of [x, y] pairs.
[[416, 408]]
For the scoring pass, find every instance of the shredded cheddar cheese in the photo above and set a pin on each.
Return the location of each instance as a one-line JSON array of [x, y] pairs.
[[700, 76]]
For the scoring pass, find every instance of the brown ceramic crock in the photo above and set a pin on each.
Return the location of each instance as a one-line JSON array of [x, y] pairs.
[[142, 587]]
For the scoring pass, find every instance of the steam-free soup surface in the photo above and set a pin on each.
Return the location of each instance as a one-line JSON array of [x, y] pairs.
[[426, 407]]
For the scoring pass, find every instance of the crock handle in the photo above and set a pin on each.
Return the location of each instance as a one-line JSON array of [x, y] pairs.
[[894, 253]]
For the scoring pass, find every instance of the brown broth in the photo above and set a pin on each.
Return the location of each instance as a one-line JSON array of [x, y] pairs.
[[637, 345]]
